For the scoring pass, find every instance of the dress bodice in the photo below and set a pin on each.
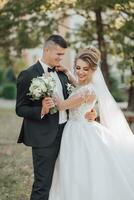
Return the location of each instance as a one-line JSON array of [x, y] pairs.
[[78, 113]]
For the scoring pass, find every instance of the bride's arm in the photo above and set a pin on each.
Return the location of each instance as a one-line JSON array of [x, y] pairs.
[[71, 78], [69, 74], [74, 101]]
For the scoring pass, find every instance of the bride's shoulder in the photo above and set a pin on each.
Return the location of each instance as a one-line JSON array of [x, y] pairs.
[[80, 89], [88, 87]]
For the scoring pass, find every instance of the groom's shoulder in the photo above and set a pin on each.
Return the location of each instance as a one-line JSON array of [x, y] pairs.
[[28, 72], [29, 69]]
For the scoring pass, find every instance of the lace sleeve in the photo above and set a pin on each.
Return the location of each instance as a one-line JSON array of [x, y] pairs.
[[75, 100], [72, 102], [89, 93]]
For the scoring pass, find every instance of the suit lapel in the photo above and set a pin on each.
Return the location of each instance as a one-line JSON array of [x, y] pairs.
[[39, 68]]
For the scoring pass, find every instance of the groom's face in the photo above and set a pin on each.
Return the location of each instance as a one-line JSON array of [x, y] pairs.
[[54, 55]]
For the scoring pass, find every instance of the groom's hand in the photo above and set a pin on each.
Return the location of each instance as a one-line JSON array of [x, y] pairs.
[[91, 116], [47, 103]]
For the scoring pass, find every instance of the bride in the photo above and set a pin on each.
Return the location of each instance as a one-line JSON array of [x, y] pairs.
[[96, 160]]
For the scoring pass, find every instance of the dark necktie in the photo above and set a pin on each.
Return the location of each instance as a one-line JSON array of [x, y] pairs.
[[51, 69]]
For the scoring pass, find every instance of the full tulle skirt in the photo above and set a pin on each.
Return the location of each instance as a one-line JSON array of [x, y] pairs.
[[93, 164]]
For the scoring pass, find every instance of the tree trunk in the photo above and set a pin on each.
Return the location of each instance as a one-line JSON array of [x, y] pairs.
[[131, 91], [101, 44]]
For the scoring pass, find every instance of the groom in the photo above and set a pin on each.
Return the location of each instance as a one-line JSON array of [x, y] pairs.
[[40, 129]]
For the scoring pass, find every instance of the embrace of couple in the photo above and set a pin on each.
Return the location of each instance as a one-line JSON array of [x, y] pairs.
[[74, 156]]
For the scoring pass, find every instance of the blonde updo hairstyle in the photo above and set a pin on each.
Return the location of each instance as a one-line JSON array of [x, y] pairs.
[[91, 56]]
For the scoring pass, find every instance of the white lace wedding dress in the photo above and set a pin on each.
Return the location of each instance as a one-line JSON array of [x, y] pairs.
[[92, 164]]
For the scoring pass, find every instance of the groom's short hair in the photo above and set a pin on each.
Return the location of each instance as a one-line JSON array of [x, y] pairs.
[[56, 40]]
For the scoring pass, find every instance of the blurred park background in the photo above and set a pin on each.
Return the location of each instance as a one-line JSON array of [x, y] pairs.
[[109, 25]]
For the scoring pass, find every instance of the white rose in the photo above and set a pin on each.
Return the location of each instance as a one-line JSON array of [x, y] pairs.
[[50, 79], [43, 88], [37, 92], [52, 84], [31, 88], [37, 82], [46, 81]]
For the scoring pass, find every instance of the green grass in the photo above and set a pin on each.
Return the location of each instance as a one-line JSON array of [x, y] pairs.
[[15, 160]]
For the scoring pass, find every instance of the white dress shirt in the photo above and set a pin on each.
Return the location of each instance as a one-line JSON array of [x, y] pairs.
[[58, 89]]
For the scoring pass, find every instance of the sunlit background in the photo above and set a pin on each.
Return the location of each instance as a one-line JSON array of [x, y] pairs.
[[24, 25]]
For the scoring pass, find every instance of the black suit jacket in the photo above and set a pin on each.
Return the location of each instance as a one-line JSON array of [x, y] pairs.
[[36, 132]]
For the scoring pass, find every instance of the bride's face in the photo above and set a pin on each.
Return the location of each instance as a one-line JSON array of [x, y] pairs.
[[83, 71]]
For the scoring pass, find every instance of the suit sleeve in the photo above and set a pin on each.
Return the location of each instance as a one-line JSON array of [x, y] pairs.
[[23, 102]]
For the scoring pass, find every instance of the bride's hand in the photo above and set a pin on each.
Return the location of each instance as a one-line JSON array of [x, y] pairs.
[[91, 115], [61, 68]]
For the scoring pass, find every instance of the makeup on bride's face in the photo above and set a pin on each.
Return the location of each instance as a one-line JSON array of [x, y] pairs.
[[83, 71]]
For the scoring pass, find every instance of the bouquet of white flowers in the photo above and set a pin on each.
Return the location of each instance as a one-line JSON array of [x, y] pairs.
[[43, 86]]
